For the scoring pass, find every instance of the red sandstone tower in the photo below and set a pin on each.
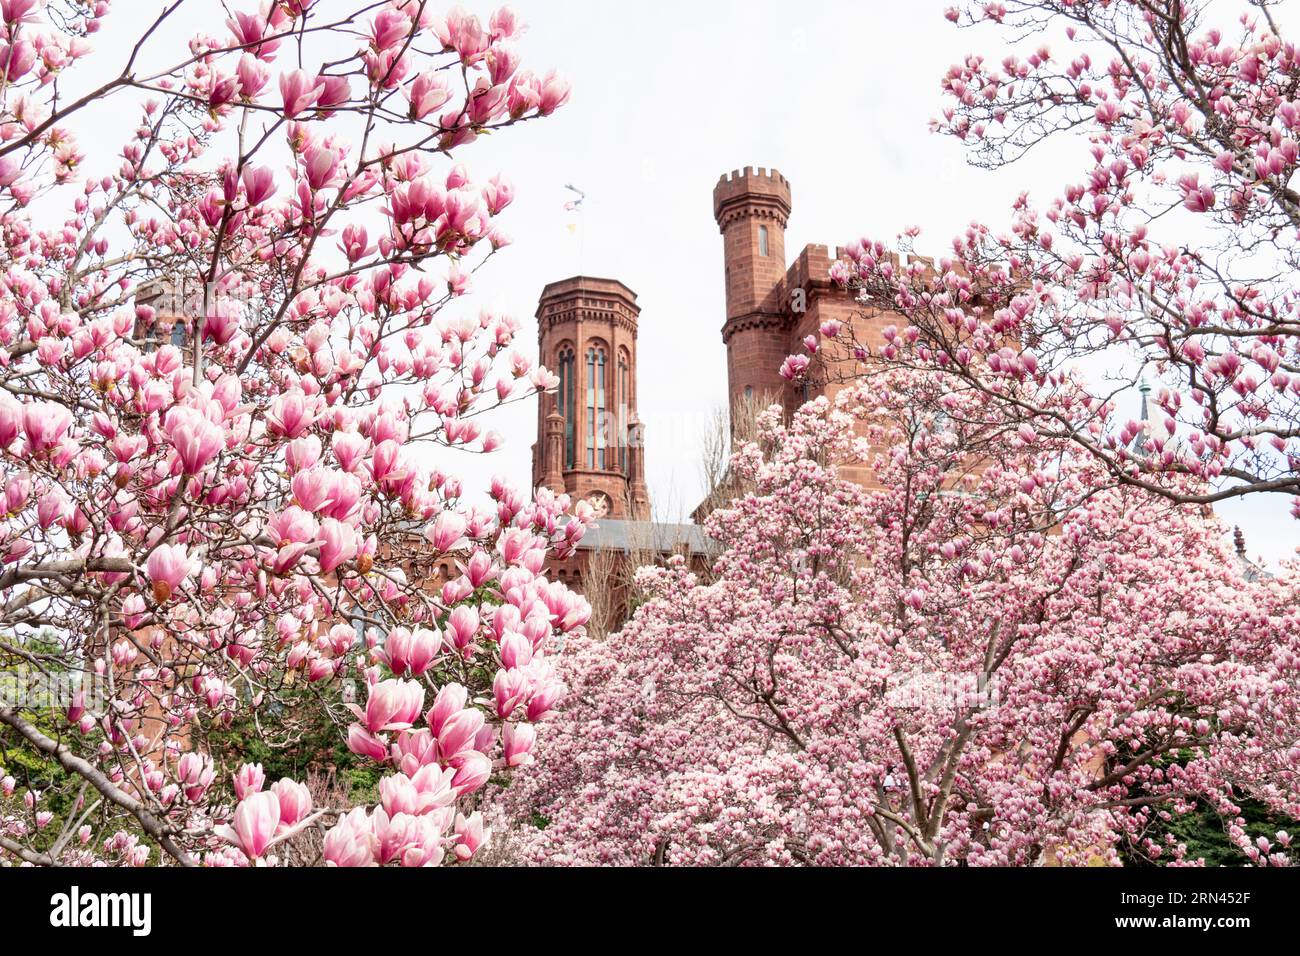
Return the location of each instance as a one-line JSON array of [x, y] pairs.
[[590, 441], [772, 307], [752, 210]]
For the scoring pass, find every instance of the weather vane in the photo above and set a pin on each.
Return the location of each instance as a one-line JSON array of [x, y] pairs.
[[574, 205]]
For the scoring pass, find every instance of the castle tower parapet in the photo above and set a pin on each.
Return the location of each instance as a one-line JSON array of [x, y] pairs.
[[752, 208]]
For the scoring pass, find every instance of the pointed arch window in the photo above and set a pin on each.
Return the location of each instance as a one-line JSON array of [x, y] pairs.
[[566, 404], [596, 407], [624, 406]]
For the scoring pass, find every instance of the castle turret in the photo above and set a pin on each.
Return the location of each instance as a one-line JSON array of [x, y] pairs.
[[587, 336], [752, 209], [552, 474], [638, 491]]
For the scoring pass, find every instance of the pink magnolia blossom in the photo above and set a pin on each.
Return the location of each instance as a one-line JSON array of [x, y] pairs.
[[249, 780], [195, 438], [351, 843], [470, 835], [20, 11], [450, 701], [411, 652], [194, 770], [517, 743], [203, 442], [426, 93], [338, 544], [255, 823], [472, 772], [294, 801], [447, 530], [45, 424], [458, 733], [900, 675], [392, 705], [259, 184], [168, 566], [299, 92], [253, 76], [462, 626], [366, 744]]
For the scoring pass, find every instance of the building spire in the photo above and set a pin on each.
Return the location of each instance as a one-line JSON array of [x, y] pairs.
[[1138, 446]]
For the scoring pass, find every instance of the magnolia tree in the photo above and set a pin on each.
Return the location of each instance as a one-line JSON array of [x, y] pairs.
[[989, 664], [227, 383], [1168, 252]]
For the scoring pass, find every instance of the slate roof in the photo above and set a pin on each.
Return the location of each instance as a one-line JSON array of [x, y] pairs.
[[627, 536]]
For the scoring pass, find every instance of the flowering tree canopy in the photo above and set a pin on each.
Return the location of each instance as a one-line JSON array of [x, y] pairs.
[[987, 662], [1168, 253], [227, 383]]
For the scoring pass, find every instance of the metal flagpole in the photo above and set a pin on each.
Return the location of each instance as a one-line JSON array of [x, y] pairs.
[[575, 206]]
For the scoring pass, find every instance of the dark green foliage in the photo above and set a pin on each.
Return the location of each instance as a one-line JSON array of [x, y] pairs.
[[303, 733], [1204, 832]]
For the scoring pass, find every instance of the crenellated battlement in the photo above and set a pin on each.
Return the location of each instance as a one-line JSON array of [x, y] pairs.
[[811, 269], [752, 191], [750, 173]]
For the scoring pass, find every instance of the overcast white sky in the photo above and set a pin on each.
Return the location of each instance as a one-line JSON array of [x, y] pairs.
[[669, 95]]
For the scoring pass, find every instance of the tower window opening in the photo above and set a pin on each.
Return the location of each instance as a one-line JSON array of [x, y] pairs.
[[762, 241], [597, 438], [624, 408], [565, 405]]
